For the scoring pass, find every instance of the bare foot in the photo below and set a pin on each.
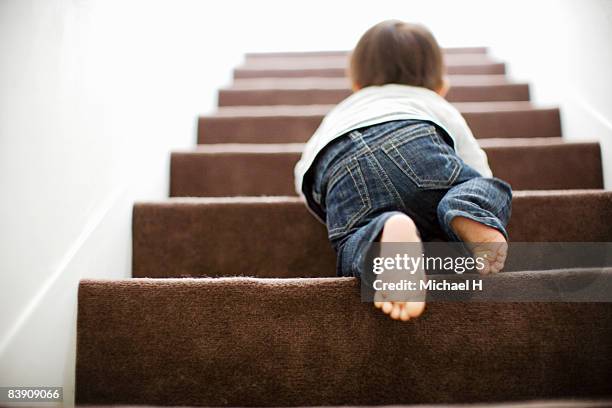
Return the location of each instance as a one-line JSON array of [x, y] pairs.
[[399, 228], [485, 242]]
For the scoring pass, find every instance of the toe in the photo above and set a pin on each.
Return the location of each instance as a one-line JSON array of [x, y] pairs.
[[397, 310], [499, 262], [498, 266], [387, 307], [486, 268], [405, 314], [415, 308]]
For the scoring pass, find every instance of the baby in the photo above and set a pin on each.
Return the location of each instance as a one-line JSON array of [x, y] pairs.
[[395, 162]]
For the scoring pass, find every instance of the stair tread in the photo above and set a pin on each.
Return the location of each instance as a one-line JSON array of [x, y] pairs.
[[172, 201], [501, 287], [254, 72], [214, 148], [257, 95], [554, 403], [319, 110], [333, 61], [318, 53], [344, 83]]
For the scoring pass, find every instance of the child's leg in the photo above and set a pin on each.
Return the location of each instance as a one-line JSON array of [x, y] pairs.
[[400, 228], [393, 226], [477, 212], [486, 242]]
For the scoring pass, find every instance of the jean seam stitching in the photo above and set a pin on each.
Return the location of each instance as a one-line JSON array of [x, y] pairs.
[[391, 149], [371, 158], [365, 199]]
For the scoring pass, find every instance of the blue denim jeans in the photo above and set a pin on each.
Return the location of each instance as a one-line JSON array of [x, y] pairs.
[[361, 179]]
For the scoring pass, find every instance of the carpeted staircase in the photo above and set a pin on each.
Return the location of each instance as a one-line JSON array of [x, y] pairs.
[[234, 300]]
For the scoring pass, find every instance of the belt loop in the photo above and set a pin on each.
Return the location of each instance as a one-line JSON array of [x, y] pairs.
[[355, 136]]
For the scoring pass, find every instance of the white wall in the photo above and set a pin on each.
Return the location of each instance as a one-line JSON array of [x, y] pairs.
[[93, 97], [563, 48], [95, 94]]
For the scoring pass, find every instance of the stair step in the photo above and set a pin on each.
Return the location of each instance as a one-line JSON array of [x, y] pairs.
[[295, 124], [312, 342], [497, 68], [333, 61], [251, 169], [236, 96], [277, 237], [556, 403], [343, 83], [344, 53]]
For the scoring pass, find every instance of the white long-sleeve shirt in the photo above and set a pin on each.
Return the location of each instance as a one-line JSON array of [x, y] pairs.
[[378, 104]]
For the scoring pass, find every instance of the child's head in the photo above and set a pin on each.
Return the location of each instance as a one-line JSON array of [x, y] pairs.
[[394, 52]]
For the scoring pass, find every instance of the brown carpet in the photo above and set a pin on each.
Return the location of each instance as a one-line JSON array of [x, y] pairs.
[[307, 342], [341, 61], [295, 124], [335, 72], [317, 95], [570, 403], [277, 237], [267, 169], [336, 53]]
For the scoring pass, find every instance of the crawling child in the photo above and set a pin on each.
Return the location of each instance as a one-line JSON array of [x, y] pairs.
[[395, 162]]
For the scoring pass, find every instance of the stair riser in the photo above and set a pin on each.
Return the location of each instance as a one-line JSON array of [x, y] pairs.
[[238, 97], [332, 61], [559, 166], [241, 343], [344, 53], [477, 69], [281, 239], [344, 83], [297, 129]]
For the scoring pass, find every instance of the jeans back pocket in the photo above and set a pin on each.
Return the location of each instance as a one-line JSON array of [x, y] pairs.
[[423, 156], [347, 198]]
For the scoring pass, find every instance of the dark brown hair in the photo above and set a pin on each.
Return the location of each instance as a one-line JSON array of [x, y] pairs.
[[394, 52]]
